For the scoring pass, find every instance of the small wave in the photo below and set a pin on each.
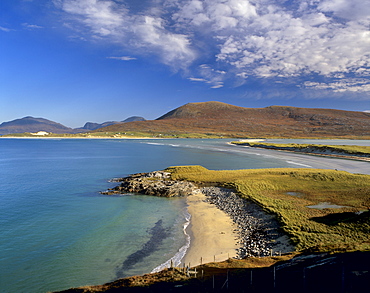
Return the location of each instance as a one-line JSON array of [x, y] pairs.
[[299, 164], [177, 258], [155, 143]]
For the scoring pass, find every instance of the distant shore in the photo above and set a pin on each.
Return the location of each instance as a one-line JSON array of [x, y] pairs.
[[78, 137], [314, 150]]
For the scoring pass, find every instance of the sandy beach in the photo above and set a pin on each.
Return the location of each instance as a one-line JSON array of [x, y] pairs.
[[211, 231]]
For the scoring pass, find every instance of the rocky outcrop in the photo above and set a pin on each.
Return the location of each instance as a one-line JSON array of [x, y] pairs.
[[157, 183]]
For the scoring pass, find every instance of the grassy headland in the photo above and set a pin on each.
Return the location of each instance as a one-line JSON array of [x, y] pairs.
[[290, 195], [341, 229], [350, 151]]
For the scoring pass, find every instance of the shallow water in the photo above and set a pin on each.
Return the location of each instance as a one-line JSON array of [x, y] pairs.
[[326, 205], [59, 232]]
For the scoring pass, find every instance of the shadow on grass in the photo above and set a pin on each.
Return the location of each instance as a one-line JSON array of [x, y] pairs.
[[346, 217]]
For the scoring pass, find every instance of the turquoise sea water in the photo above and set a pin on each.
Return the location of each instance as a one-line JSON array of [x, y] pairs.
[[57, 231]]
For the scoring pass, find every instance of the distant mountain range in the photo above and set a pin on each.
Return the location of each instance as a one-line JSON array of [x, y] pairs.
[[33, 125], [216, 118], [93, 126]]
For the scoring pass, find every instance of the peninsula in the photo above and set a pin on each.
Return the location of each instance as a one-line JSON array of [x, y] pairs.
[[324, 214], [353, 152]]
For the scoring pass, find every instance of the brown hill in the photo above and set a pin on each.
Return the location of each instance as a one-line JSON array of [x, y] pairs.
[[215, 118]]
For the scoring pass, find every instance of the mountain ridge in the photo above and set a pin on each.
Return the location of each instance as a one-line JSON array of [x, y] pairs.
[[32, 124], [217, 119], [233, 121], [93, 126]]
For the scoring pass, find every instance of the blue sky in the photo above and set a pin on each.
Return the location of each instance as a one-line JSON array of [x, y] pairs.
[[73, 61]]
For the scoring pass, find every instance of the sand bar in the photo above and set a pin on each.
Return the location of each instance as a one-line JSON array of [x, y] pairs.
[[211, 230]]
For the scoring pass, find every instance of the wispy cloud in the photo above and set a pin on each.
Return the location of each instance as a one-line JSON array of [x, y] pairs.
[[240, 38], [31, 26], [5, 29], [217, 86], [144, 34], [123, 58], [342, 85], [197, 79]]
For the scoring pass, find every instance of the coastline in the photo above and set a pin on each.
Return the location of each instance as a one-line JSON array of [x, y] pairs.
[[211, 231], [311, 153]]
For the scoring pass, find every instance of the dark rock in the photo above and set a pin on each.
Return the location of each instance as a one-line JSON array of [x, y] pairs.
[[157, 183]]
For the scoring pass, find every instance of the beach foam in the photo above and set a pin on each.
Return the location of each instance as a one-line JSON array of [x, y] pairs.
[[177, 258]]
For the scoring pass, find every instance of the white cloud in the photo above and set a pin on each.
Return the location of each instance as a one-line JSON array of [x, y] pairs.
[[359, 85], [241, 38], [220, 14], [32, 26], [4, 29], [123, 58], [352, 10], [137, 33], [197, 79], [173, 48], [217, 86], [209, 76], [280, 44]]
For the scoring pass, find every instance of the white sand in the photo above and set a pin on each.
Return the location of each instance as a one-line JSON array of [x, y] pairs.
[[211, 230]]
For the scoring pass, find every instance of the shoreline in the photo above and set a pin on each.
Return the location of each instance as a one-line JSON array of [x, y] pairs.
[[336, 155], [211, 231], [224, 226]]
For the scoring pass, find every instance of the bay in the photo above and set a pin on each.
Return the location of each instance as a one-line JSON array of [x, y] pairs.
[[57, 231]]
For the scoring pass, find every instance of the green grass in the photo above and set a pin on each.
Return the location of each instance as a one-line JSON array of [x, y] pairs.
[[347, 149], [310, 229]]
